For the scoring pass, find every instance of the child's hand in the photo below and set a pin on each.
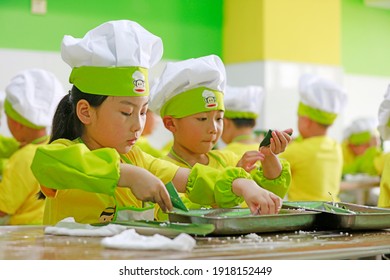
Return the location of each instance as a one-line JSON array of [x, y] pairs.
[[259, 200], [279, 142], [249, 159], [145, 186]]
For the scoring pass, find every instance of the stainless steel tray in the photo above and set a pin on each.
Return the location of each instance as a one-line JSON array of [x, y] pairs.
[[231, 221], [343, 215]]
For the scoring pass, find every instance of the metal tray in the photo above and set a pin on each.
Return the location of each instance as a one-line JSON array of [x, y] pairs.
[[231, 221], [343, 215]]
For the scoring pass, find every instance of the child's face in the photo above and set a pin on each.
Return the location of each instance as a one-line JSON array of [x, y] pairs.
[[200, 132], [117, 123]]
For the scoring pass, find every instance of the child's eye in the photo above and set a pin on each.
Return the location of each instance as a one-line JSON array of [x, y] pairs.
[[202, 119], [126, 114]]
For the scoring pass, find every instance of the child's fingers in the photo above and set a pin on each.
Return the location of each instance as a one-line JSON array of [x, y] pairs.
[[164, 201], [278, 202]]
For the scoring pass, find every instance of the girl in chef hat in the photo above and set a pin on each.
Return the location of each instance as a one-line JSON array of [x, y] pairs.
[[92, 163], [189, 98], [31, 99], [315, 158]]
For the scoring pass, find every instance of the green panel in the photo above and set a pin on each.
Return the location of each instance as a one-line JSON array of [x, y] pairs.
[[188, 28], [365, 39]]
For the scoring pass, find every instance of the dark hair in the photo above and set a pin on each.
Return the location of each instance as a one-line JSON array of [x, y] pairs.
[[240, 123], [66, 124]]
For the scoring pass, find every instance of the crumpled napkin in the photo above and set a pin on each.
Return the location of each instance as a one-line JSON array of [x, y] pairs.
[[68, 226], [130, 239]]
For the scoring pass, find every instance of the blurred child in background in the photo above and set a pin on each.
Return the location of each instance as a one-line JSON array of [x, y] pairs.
[[31, 99], [316, 159], [8, 145], [242, 107], [361, 147]]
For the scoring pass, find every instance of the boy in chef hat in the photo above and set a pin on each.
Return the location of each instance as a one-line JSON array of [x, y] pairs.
[[95, 129], [384, 131], [242, 107], [361, 147], [189, 98], [316, 159], [31, 99], [8, 145]]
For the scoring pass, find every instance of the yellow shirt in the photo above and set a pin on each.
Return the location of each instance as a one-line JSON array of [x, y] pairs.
[[240, 148], [8, 146], [370, 162], [83, 183], [19, 189], [384, 194], [145, 146], [316, 167], [221, 159]]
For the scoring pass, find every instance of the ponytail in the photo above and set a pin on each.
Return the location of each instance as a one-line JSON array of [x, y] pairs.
[[66, 124]]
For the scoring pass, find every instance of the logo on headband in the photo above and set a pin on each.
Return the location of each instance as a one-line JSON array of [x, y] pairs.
[[139, 82], [210, 99]]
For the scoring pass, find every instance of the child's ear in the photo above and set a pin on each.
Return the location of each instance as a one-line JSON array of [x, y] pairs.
[[169, 123], [83, 111]]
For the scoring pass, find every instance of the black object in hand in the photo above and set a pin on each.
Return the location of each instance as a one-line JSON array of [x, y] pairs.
[[267, 139]]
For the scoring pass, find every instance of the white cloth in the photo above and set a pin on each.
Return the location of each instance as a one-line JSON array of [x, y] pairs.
[[68, 226], [114, 43], [384, 116], [130, 239], [247, 99], [178, 77], [34, 94], [319, 93], [360, 125]]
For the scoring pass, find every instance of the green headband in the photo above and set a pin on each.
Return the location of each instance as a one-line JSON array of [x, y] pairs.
[[360, 138], [111, 81], [317, 115], [9, 110], [194, 101], [240, 115]]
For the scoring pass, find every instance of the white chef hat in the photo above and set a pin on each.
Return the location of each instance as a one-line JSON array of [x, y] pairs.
[[321, 100], [384, 116], [361, 130], [112, 59], [32, 97], [243, 102], [189, 87]]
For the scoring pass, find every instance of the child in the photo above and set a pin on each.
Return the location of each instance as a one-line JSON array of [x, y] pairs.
[[242, 107], [189, 98], [31, 99], [8, 145], [384, 130], [361, 147], [316, 159], [92, 170]]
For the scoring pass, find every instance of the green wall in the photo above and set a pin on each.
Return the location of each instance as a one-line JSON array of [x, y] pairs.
[[188, 28], [365, 42]]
